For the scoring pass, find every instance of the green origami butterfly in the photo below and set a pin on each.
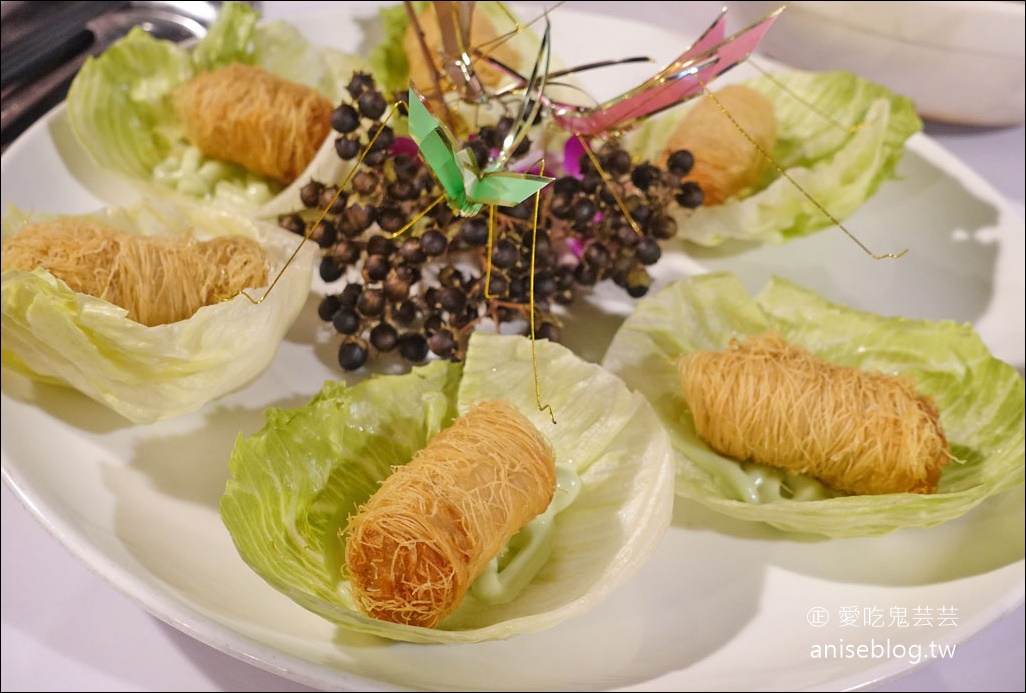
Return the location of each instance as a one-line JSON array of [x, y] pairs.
[[467, 187]]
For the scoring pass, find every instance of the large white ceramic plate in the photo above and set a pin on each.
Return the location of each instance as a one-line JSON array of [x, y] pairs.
[[918, 48], [723, 605]]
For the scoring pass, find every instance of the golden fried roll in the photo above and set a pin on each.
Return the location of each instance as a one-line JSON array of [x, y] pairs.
[[415, 547], [249, 116], [156, 279], [726, 161], [767, 401]]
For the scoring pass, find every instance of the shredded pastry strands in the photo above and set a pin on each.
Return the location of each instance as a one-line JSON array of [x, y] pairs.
[[766, 401], [157, 279], [249, 116], [415, 547]]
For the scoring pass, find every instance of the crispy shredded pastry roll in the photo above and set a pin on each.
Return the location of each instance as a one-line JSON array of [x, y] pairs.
[[415, 547], [767, 401], [157, 279], [249, 116], [726, 161]]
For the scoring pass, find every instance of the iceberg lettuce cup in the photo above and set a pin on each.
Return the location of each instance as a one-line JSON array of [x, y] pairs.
[[979, 398], [838, 138], [147, 373], [294, 483], [121, 109]]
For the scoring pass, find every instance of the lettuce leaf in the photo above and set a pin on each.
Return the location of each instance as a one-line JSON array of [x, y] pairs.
[[119, 106], [294, 483], [388, 59], [53, 334], [839, 137], [980, 399]]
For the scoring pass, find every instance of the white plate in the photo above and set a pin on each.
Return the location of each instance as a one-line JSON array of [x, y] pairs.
[[920, 49], [723, 605]]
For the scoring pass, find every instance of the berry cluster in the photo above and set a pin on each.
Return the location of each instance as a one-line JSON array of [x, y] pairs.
[[415, 279]]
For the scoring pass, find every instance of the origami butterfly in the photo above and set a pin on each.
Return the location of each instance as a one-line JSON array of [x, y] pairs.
[[467, 186]]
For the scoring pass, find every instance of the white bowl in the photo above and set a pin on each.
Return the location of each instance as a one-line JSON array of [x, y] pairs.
[[961, 62]]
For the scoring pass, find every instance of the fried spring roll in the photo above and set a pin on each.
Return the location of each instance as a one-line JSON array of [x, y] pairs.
[[767, 401], [415, 547], [249, 116]]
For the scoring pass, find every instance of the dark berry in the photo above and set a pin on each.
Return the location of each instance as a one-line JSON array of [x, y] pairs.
[[645, 175], [381, 137], [293, 223], [663, 226], [345, 119], [433, 242], [391, 218], [618, 163], [328, 306], [396, 288], [380, 245], [504, 253], [332, 199], [352, 355], [371, 302], [410, 251], [325, 234], [347, 148], [348, 251], [585, 274], [474, 231], [350, 293], [366, 182], [638, 281], [384, 337], [548, 330], [371, 104], [566, 185], [647, 251], [413, 346], [345, 321], [405, 167], [376, 268], [356, 219], [442, 343], [584, 210], [359, 83], [690, 195], [680, 162], [453, 299], [330, 269], [405, 313], [310, 194], [596, 255]]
